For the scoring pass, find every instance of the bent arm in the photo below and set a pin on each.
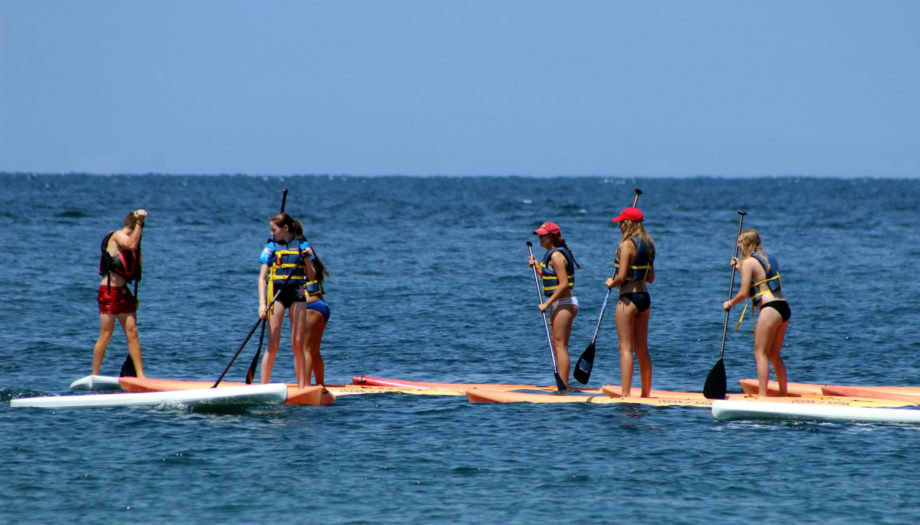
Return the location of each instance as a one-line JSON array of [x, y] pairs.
[[309, 269], [627, 255], [133, 240], [747, 274]]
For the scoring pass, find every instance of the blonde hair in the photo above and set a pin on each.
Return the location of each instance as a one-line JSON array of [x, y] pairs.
[[749, 243], [636, 229]]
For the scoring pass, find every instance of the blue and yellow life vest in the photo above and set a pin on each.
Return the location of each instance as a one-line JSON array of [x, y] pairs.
[[773, 280], [550, 280], [284, 260], [314, 287], [642, 264]]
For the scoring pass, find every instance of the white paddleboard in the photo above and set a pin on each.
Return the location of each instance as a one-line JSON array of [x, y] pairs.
[[96, 383], [249, 395], [728, 410]]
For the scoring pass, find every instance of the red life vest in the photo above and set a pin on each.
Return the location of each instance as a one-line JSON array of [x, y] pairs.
[[126, 264]]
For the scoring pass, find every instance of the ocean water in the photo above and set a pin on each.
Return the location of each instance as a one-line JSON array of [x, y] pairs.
[[429, 281]]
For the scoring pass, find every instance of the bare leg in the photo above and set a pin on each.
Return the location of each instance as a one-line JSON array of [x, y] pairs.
[[106, 328], [297, 324], [640, 345], [768, 323], [275, 322], [779, 367], [625, 317], [129, 325], [313, 336], [563, 317]]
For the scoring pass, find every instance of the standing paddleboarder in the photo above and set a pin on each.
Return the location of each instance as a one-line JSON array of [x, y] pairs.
[[282, 269], [119, 264], [558, 276], [316, 315], [761, 282], [635, 268]]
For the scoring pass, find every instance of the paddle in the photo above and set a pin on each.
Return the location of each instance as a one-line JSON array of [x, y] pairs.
[[259, 322], [586, 361], [127, 368], [716, 386], [552, 352], [250, 374]]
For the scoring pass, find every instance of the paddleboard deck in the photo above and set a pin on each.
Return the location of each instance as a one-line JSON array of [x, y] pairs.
[[244, 396], [733, 410], [749, 386], [311, 395], [96, 383], [454, 389], [610, 394], [896, 393], [485, 395]]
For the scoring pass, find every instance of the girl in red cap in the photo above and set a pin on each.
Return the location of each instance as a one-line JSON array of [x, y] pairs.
[[635, 267], [558, 271], [760, 280]]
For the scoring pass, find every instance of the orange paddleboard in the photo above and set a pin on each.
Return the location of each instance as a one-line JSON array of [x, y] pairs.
[[455, 389], [878, 392], [661, 398], [749, 386]]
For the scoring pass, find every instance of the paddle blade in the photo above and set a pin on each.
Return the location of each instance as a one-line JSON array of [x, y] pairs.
[[559, 384], [585, 364], [127, 368], [716, 387]]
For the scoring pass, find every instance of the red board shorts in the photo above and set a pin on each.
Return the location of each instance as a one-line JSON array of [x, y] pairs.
[[114, 300]]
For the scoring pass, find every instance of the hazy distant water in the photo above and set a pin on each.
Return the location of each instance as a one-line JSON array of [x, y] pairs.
[[429, 281]]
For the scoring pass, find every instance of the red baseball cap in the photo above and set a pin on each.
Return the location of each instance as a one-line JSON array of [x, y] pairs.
[[548, 227], [629, 214]]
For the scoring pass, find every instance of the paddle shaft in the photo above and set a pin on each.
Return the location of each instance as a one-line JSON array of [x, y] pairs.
[[253, 330], [731, 286], [255, 359], [636, 198], [549, 339], [261, 321], [607, 295], [585, 363], [127, 368]]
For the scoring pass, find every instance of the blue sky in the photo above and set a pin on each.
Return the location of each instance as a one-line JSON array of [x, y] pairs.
[[637, 88]]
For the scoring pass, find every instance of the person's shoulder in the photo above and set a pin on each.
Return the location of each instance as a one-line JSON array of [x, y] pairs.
[[559, 254], [750, 262], [266, 254], [119, 236]]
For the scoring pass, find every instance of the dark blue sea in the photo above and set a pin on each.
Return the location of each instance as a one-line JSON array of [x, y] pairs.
[[429, 281]]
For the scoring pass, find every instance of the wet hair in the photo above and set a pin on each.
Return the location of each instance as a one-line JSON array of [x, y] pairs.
[[749, 243], [557, 240], [636, 229]]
